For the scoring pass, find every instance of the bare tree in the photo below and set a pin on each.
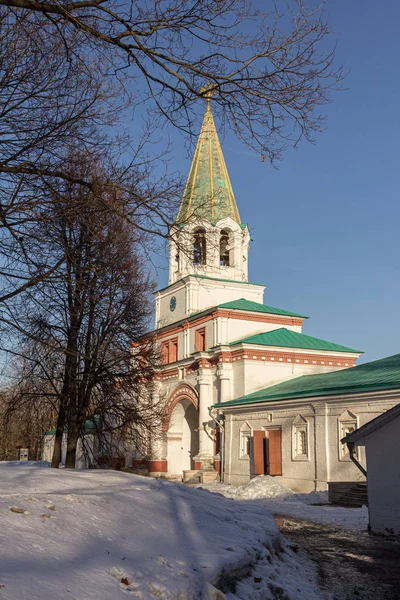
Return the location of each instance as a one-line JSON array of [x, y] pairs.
[[268, 67], [68, 70], [85, 317], [27, 410]]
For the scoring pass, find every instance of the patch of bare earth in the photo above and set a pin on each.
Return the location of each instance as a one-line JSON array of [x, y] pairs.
[[351, 564]]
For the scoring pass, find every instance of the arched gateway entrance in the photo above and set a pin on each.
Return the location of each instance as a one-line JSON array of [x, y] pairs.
[[182, 433]]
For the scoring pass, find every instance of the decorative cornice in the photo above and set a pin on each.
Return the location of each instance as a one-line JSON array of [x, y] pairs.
[[193, 321]]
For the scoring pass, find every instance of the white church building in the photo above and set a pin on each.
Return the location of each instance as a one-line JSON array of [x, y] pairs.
[[220, 344]]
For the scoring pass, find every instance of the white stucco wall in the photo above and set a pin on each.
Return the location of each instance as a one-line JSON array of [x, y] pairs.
[[258, 374], [194, 295], [211, 293], [383, 475], [48, 445], [325, 461], [164, 316], [238, 329]]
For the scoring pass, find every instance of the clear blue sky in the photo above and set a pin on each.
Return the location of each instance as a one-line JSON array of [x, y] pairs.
[[325, 225]]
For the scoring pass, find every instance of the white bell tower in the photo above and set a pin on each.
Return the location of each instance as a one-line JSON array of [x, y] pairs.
[[209, 244]]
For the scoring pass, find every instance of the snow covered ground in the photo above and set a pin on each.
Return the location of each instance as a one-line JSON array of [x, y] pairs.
[[107, 535], [271, 494]]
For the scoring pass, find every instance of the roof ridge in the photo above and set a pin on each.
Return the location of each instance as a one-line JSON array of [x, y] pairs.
[[381, 374], [278, 339], [262, 308]]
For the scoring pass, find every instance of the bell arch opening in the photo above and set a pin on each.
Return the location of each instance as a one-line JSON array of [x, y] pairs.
[[199, 247], [224, 248]]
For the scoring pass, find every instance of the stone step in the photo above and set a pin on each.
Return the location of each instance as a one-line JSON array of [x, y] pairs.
[[191, 476], [349, 494]]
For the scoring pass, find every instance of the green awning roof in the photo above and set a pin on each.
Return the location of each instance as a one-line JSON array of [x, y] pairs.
[[383, 374], [285, 338], [95, 423]]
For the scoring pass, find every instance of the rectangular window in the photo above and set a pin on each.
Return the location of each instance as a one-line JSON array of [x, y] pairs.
[[173, 353], [345, 428], [200, 341], [165, 353], [300, 450], [245, 444], [169, 351]]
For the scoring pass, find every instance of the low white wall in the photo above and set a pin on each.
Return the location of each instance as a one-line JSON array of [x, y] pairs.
[[48, 446], [383, 475]]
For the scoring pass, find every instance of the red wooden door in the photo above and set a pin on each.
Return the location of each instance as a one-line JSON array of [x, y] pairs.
[[275, 452], [258, 452]]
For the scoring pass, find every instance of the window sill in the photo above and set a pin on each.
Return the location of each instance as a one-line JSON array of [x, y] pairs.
[[346, 458], [301, 458]]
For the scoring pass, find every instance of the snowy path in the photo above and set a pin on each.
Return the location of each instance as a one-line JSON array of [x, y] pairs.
[[351, 564], [313, 507], [105, 535]]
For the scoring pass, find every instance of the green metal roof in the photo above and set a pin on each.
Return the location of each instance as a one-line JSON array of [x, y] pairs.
[[383, 374], [208, 193], [284, 338], [93, 424], [251, 306]]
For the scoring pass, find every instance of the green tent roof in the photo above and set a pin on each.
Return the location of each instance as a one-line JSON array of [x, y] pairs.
[[383, 374], [208, 193], [251, 306], [284, 338]]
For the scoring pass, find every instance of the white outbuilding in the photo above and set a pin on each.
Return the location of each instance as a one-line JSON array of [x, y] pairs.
[[380, 437]]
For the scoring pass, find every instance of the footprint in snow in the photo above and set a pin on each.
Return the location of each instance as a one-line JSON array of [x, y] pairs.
[[19, 510]]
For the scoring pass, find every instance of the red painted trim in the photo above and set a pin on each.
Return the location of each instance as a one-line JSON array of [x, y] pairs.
[[181, 392], [217, 466], [169, 351], [197, 465], [157, 466], [260, 317], [296, 358], [171, 373], [290, 357], [230, 314]]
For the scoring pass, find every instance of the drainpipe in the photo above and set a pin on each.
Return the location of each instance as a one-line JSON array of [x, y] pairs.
[[352, 454], [219, 420]]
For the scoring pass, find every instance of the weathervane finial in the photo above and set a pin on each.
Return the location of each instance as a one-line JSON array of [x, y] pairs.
[[208, 92]]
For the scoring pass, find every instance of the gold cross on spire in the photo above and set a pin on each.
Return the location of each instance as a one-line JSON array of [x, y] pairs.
[[208, 92]]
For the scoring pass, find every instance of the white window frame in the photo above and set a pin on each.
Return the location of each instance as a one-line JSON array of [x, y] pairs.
[[345, 421], [246, 432], [299, 426]]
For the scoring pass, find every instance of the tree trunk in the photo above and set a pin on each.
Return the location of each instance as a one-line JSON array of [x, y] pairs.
[[56, 458], [72, 441]]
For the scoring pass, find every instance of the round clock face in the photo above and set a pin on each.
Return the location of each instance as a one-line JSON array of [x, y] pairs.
[[172, 303]]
